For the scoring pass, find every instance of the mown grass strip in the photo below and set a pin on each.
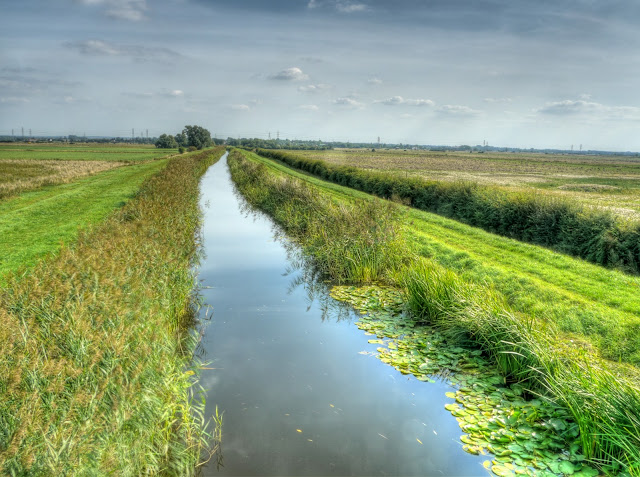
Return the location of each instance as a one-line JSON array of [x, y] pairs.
[[526, 350], [35, 223], [95, 352], [594, 235]]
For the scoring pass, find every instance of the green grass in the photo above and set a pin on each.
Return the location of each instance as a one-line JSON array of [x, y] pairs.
[[35, 223], [96, 341], [83, 152], [528, 348], [589, 302]]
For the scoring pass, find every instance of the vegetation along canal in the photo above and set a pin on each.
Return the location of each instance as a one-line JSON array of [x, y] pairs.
[[301, 390]]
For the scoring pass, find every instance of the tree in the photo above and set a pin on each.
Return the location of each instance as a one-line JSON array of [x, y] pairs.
[[166, 141], [197, 136], [181, 139]]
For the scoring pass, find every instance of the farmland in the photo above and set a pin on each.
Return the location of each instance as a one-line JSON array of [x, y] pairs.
[[48, 192], [610, 182]]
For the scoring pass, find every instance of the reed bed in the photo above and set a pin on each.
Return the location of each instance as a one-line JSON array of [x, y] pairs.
[[95, 347], [526, 350]]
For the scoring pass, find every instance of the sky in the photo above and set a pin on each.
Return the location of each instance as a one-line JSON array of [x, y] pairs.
[[514, 73]]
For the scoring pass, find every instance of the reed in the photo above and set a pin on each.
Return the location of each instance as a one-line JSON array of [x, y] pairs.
[[95, 373]]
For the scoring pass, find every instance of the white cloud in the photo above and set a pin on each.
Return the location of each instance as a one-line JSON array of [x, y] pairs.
[[398, 100], [240, 107], [569, 106], [290, 74], [130, 10], [349, 102], [308, 107], [312, 4], [350, 7], [457, 110], [419, 102], [175, 93], [313, 88], [374, 81], [591, 109]]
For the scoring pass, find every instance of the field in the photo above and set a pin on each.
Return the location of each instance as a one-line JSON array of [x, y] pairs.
[[82, 152], [611, 182], [558, 326], [48, 192]]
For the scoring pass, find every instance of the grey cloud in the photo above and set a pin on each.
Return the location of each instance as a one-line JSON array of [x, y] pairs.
[[289, 74], [570, 107], [581, 107], [96, 47], [497, 100]]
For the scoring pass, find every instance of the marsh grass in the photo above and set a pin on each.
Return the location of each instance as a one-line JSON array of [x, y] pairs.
[[532, 353], [95, 373]]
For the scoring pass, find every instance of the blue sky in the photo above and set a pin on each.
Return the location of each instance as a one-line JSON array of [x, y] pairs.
[[511, 72]]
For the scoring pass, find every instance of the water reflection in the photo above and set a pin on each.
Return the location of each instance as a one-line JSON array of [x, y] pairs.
[[300, 390]]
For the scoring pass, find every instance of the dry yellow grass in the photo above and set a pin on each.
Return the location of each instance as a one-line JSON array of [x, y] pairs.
[[20, 175], [606, 182]]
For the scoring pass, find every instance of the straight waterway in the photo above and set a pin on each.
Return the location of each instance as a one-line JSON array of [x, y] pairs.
[[301, 392]]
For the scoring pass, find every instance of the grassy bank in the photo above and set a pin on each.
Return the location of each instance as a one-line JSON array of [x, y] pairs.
[[94, 357], [35, 223], [589, 304], [526, 349], [562, 224]]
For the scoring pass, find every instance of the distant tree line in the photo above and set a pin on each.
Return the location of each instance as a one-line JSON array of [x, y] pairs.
[[256, 143], [192, 137]]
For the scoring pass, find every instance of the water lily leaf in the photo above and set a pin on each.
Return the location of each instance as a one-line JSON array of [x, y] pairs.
[[501, 471], [586, 472], [558, 424], [567, 467], [450, 395]]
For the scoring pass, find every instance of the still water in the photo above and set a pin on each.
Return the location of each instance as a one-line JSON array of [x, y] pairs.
[[300, 392]]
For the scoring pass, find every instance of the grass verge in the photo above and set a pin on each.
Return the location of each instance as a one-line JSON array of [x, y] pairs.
[[95, 374], [527, 350], [35, 223]]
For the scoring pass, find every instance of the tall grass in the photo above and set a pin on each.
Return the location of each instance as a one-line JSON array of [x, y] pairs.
[[94, 354], [562, 224], [605, 406], [357, 242]]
